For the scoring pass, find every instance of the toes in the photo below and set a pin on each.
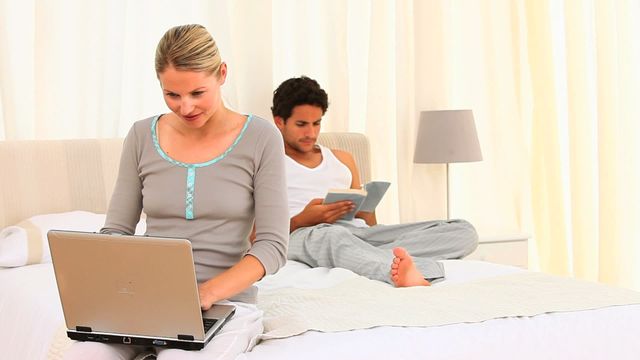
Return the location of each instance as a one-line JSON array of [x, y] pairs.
[[397, 251], [400, 252]]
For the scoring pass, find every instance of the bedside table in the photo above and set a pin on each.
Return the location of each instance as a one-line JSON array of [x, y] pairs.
[[509, 250]]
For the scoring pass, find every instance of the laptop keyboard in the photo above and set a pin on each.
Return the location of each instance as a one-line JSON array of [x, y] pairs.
[[208, 323]]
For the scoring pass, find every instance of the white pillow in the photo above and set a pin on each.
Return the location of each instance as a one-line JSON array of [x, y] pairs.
[[26, 242]]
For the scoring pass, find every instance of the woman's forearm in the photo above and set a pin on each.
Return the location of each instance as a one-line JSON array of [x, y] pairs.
[[231, 282]]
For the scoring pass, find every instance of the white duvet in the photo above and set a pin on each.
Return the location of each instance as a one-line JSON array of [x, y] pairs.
[[30, 316], [30, 311]]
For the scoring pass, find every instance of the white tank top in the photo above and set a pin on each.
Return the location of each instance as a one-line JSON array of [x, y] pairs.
[[304, 184]]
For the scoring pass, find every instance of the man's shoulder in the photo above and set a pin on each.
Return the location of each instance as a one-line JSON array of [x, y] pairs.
[[345, 157], [341, 152]]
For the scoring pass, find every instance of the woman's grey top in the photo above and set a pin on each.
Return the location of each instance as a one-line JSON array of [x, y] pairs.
[[213, 204]]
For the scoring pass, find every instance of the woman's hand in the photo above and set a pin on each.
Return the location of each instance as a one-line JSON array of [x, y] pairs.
[[230, 282], [207, 296]]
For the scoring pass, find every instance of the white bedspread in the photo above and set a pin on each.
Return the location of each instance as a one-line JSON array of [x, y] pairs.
[[605, 333], [30, 311], [360, 303], [31, 323]]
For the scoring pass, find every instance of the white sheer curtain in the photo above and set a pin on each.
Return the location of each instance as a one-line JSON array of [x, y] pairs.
[[553, 86], [584, 58]]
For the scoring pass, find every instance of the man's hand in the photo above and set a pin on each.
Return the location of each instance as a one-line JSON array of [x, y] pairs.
[[368, 217], [317, 213]]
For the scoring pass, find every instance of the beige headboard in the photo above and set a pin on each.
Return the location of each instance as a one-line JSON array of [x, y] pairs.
[[50, 176]]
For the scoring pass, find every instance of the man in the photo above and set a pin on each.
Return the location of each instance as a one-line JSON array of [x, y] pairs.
[[318, 237]]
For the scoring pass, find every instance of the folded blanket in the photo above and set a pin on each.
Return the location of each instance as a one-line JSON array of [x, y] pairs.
[[360, 303]]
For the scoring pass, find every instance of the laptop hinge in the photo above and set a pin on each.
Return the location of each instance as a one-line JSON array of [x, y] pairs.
[[83, 328], [185, 337]]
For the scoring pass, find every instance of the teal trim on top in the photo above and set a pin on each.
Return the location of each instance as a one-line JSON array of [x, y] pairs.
[[191, 188], [191, 168], [156, 144]]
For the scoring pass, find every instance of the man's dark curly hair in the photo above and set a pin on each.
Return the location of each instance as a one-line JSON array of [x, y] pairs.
[[298, 91]]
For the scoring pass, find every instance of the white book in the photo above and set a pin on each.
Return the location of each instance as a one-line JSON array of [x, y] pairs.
[[365, 199]]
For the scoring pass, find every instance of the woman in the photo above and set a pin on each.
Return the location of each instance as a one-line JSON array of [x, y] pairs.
[[205, 173]]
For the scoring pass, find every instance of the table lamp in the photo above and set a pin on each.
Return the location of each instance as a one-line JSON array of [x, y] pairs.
[[447, 136]]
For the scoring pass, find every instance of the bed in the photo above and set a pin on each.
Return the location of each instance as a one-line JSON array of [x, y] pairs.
[[481, 310]]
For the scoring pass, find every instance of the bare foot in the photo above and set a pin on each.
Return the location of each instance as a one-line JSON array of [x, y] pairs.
[[404, 272]]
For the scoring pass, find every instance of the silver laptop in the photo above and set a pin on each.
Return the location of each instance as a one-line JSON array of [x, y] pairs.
[[138, 290]]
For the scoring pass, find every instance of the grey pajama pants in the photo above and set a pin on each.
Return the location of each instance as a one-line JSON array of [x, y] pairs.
[[368, 251]]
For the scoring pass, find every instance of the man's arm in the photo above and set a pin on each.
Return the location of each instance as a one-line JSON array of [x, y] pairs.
[[317, 213], [347, 159], [313, 214]]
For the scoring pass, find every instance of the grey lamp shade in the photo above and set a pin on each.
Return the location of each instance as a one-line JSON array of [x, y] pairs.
[[447, 136]]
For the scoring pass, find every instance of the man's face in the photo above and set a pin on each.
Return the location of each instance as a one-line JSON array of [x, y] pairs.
[[300, 131]]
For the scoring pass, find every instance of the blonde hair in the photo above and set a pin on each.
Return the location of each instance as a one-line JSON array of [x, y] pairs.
[[188, 47]]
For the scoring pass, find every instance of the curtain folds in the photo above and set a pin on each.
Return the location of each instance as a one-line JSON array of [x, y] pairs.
[[585, 179]]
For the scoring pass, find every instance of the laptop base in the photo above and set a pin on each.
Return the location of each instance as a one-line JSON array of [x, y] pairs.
[[142, 341], [149, 341]]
